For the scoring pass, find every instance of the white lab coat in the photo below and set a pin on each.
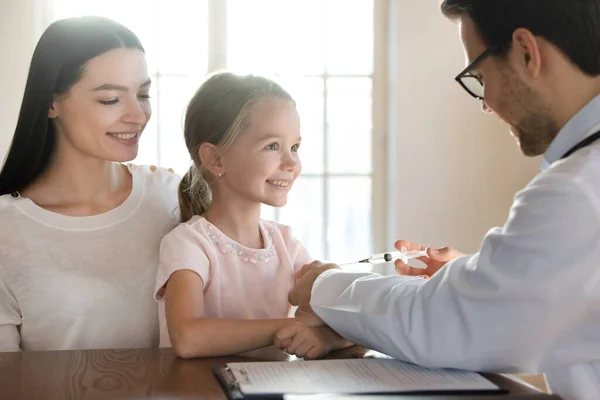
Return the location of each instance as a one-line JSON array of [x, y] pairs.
[[528, 301]]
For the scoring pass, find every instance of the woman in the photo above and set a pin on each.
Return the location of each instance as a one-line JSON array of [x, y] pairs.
[[79, 231]]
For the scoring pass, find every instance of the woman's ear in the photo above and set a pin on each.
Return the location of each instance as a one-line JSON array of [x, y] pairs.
[[211, 159], [52, 111]]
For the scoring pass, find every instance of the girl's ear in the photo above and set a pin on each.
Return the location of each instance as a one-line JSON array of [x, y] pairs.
[[210, 158]]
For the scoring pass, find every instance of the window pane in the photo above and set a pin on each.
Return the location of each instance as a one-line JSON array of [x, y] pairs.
[[148, 146], [350, 37], [174, 94], [304, 213], [349, 210], [349, 121], [308, 94], [141, 16], [183, 37], [275, 36]]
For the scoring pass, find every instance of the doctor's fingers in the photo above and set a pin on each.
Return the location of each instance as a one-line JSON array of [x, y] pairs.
[[405, 269], [302, 290], [316, 266], [300, 293], [296, 297], [409, 246], [443, 254], [307, 268]]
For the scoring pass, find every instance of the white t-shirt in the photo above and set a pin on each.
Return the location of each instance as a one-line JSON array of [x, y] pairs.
[[84, 282]]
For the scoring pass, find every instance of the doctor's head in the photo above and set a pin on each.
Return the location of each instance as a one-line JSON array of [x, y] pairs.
[[532, 62]]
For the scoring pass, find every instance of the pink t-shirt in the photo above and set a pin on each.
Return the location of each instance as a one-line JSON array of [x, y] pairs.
[[239, 282]]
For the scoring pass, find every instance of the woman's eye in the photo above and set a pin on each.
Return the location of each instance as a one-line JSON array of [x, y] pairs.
[[295, 147], [109, 102], [144, 96], [273, 146]]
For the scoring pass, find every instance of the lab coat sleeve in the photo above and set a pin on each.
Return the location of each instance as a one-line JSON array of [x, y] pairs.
[[520, 304]]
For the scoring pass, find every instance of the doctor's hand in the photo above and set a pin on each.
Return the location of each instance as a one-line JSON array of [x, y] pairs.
[[436, 260], [308, 318], [305, 278]]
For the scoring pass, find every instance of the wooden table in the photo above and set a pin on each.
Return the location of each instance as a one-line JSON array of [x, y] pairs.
[[133, 374]]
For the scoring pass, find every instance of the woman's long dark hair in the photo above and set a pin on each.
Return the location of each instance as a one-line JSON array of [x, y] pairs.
[[58, 62]]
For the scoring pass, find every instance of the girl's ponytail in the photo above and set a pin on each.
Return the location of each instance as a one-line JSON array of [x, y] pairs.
[[194, 194]]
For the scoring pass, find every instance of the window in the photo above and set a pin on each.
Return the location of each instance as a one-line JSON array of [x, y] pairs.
[[321, 51]]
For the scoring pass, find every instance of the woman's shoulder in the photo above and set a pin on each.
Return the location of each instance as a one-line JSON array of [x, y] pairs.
[[9, 209], [154, 175], [159, 185]]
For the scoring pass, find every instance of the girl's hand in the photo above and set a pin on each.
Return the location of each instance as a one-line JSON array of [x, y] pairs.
[[308, 343]]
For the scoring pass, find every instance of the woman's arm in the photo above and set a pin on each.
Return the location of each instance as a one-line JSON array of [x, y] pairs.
[[192, 335], [10, 319]]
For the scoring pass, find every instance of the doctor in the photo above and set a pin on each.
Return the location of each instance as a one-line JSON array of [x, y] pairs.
[[529, 300]]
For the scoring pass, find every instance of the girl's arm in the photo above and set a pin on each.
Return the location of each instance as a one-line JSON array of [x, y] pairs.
[[192, 335]]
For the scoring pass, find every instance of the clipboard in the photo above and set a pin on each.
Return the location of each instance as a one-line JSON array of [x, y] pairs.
[[540, 396], [234, 391]]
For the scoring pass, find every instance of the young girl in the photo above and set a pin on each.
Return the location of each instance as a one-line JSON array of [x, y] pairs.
[[224, 273]]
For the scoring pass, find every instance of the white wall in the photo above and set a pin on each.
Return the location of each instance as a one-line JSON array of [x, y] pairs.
[[457, 168], [17, 40]]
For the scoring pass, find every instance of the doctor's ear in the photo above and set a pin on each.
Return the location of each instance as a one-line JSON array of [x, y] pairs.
[[526, 48], [211, 159]]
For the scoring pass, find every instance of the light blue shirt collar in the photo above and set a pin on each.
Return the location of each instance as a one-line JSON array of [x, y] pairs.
[[585, 123]]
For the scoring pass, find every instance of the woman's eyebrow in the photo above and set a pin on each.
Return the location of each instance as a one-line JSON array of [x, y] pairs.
[[112, 86]]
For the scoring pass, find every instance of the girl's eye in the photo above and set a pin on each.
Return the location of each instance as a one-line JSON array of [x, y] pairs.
[[273, 146], [144, 96], [295, 147], [109, 102]]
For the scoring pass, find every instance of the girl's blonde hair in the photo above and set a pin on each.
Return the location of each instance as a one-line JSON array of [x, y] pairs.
[[218, 114]]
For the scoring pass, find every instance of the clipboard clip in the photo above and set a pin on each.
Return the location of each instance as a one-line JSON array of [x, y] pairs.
[[229, 379], [228, 382], [232, 381], [244, 378]]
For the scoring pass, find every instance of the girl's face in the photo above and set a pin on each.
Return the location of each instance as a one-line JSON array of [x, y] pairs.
[[263, 163], [103, 115]]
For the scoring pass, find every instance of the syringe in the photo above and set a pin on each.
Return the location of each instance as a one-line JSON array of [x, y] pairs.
[[390, 256]]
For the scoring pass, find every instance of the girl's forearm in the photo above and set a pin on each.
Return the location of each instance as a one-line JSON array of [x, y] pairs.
[[212, 337]]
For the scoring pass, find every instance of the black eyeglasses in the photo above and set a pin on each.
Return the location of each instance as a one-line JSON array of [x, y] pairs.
[[472, 84]]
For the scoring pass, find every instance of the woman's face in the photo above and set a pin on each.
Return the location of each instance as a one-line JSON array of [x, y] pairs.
[[103, 115]]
